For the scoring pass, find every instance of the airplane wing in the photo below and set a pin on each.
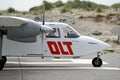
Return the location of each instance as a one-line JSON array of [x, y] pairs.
[[10, 21]]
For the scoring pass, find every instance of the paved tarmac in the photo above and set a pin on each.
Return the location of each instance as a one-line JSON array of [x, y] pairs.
[[35, 68]]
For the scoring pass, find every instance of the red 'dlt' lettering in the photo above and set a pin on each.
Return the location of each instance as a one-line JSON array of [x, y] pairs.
[[57, 47], [53, 47], [68, 44]]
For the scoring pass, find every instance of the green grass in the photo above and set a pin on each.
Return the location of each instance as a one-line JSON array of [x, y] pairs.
[[71, 4], [0, 13], [116, 6], [98, 18], [99, 10], [64, 10], [58, 4], [11, 10]]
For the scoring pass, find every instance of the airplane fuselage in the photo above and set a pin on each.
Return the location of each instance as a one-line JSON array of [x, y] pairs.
[[25, 37], [60, 45]]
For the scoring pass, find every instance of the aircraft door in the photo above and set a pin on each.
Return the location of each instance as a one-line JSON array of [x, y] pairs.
[[61, 42]]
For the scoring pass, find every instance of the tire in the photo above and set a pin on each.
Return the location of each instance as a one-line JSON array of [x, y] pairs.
[[4, 59], [1, 64], [97, 62]]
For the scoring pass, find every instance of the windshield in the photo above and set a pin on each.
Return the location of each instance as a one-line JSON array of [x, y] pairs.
[[70, 33]]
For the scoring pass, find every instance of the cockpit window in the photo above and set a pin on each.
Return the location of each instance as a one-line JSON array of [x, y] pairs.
[[54, 34], [69, 33]]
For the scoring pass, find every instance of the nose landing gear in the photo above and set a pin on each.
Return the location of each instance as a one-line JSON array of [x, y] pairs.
[[2, 62], [97, 61]]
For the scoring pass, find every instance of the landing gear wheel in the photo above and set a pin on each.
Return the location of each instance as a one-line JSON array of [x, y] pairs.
[[97, 62], [4, 59], [1, 64]]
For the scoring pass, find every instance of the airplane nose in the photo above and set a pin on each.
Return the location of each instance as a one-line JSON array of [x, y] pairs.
[[102, 45], [98, 44]]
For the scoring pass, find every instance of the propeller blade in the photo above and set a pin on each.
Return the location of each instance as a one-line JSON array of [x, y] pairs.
[[42, 39], [43, 21]]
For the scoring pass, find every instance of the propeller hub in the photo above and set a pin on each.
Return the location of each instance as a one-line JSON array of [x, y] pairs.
[[45, 29]]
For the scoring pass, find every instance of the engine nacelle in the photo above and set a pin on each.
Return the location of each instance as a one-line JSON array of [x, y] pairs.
[[25, 33], [28, 30], [21, 29]]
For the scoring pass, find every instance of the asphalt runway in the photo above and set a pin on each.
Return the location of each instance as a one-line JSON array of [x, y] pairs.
[[35, 68]]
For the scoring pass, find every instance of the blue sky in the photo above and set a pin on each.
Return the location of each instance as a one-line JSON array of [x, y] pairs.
[[25, 5]]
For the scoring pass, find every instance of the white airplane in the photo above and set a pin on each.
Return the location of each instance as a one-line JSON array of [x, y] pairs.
[[25, 37]]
